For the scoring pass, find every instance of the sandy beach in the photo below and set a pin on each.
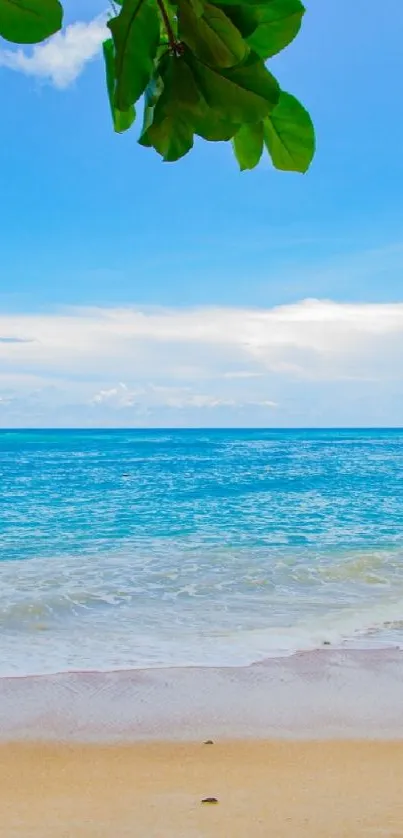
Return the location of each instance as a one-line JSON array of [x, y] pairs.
[[328, 788], [306, 746]]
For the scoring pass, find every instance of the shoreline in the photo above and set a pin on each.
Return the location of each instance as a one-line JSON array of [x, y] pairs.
[[325, 649], [327, 694], [336, 789]]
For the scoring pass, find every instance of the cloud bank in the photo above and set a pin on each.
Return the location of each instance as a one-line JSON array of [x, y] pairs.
[[62, 58], [312, 362]]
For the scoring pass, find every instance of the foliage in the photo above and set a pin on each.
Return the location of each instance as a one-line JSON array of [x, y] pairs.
[[29, 21], [200, 68]]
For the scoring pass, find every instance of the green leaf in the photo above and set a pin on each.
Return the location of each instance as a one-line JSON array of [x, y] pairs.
[[198, 6], [171, 136], [211, 128], [135, 33], [246, 93], [248, 145], [280, 23], [289, 135], [270, 27], [171, 131], [211, 36], [122, 120], [29, 21], [245, 18]]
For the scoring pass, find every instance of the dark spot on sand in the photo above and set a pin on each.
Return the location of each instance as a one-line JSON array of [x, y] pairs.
[[208, 742], [209, 800]]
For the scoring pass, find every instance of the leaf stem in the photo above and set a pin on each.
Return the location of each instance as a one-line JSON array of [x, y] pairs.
[[175, 45]]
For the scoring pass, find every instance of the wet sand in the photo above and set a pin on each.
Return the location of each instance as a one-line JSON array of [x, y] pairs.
[[154, 790], [325, 694]]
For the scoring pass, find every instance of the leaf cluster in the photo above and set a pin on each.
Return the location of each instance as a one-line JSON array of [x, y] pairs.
[[200, 68]]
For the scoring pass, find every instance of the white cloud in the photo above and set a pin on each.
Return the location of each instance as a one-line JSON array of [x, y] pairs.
[[309, 338], [313, 361], [178, 398], [119, 396], [204, 400], [201, 400], [62, 58]]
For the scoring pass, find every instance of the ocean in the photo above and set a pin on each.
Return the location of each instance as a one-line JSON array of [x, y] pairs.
[[132, 549]]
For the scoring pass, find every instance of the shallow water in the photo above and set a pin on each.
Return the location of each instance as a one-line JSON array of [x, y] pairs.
[[122, 549]]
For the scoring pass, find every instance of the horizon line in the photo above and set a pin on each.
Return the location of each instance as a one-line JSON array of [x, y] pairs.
[[209, 428]]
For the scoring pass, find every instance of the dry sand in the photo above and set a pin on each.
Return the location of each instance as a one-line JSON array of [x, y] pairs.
[[151, 790]]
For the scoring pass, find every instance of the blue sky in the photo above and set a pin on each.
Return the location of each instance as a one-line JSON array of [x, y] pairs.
[[96, 229]]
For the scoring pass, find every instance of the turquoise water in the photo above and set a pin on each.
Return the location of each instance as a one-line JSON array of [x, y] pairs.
[[123, 549]]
